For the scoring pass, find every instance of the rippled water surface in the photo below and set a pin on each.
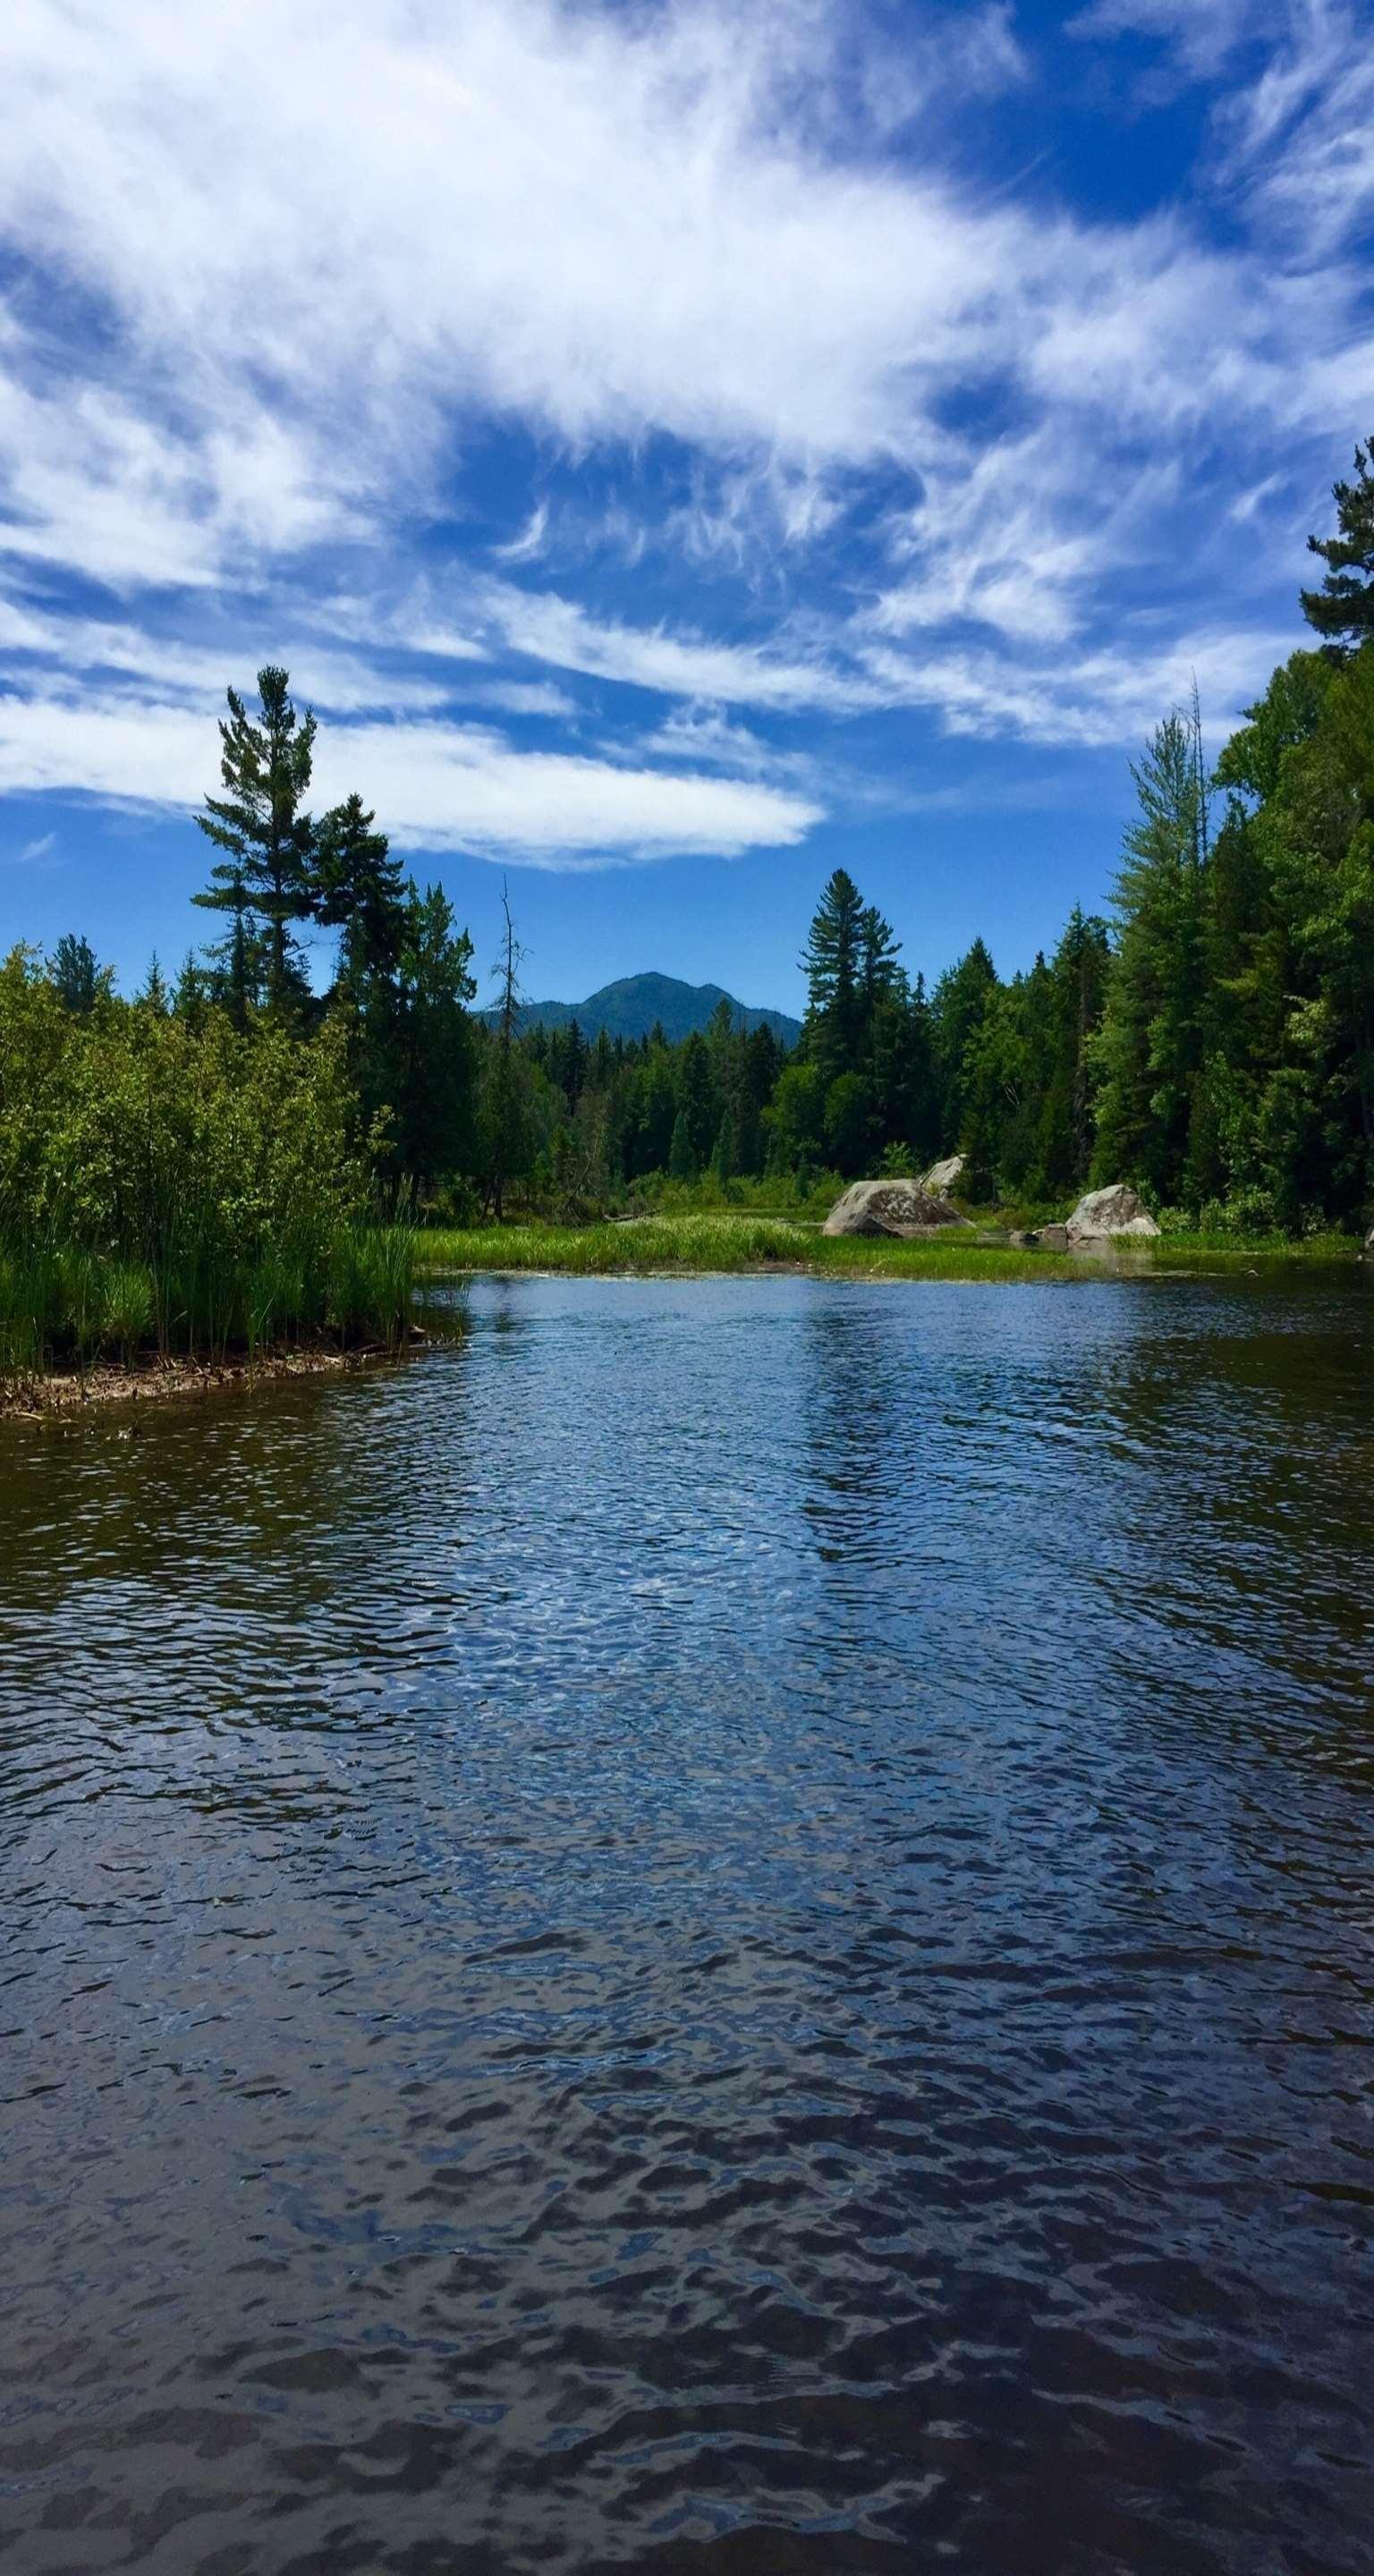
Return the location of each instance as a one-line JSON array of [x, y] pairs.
[[728, 1927]]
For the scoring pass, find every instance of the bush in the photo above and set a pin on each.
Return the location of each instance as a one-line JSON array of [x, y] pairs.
[[186, 1184]]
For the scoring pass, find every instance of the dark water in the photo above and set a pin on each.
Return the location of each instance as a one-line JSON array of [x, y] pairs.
[[729, 1928]]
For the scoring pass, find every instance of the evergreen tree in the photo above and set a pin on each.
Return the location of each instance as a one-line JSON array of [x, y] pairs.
[[423, 1065], [360, 890], [658, 1111], [682, 1162], [190, 998], [77, 978], [696, 1098], [260, 823], [879, 973], [235, 968], [959, 1004], [833, 962], [1150, 1050], [848, 1122], [1078, 975], [1343, 608]]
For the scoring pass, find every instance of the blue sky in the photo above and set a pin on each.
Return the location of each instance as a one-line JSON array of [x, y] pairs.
[[675, 448]]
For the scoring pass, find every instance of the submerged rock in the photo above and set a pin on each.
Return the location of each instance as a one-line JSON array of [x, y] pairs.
[[1104, 1213], [889, 1207], [944, 1176]]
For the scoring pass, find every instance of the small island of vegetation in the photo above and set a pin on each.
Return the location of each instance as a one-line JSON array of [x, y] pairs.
[[239, 1164]]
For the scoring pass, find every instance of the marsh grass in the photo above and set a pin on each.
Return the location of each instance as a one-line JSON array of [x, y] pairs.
[[64, 1308], [727, 1243], [739, 1242]]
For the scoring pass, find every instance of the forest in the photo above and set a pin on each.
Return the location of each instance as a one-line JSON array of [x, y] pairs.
[[226, 1152]]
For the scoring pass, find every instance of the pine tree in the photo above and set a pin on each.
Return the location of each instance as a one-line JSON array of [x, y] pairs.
[[682, 1163], [1343, 608], [1150, 1050], [78, 980], [267, 875], [833, 962], [359, 890], [696, 1099], [190, 996], [431, 1044], [960, 1001]]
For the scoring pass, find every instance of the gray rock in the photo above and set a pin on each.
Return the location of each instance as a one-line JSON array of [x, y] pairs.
[[1023, 1239], [1054, 1238], [889, 1207], [943, 1177], [1369, 1245], [1105, 1213]]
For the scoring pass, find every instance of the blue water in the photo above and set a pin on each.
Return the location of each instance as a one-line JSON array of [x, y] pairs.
[[727, 1926]]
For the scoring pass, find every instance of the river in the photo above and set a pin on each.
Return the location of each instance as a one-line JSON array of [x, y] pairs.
[[727, 1926]]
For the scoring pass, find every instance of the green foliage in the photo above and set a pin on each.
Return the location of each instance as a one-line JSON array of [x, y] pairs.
[[265, 880], [1343, 608], [78, 978], [184, 1184]]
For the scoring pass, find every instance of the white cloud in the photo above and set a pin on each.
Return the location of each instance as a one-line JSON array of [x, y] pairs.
[[1112, 696], [1204, 33], [702, 734], [680, 234], [439, 786], [55, 655], [551, 629], [33, 852], [1298, 137], [530, 542], [610, 224], [1302, 139], [521, 698]]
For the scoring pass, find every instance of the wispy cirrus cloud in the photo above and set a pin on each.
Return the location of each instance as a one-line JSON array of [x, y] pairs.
[[34, 852], [871, 424]]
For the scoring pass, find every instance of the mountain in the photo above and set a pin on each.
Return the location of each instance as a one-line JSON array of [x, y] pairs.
[[629, 1008]]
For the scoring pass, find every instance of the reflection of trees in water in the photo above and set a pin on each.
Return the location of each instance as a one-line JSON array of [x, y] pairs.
[[233, 1555]]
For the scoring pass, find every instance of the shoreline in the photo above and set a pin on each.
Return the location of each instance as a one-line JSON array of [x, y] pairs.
[[151, 1378], [723, 1246]]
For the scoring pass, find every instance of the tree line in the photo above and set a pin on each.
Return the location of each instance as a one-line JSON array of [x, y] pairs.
[[1212, 1041]]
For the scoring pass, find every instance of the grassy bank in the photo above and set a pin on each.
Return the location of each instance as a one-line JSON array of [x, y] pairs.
[[727, 1243], [742, 1242], [69, 1310]]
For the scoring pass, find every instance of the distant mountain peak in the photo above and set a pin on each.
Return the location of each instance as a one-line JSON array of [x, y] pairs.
[[630, 1008]]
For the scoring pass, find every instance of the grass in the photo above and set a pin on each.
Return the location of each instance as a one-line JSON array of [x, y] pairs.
[[67, 1308], [743, 1242], [727, 1243]]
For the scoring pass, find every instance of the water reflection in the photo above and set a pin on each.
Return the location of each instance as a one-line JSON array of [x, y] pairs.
[[725, 1928]]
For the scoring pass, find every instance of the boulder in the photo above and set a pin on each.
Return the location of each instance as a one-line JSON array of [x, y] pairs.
[[1054, 1238], [889, 1207], [943, 1177], [1104, 1213], [1369, 1245]]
